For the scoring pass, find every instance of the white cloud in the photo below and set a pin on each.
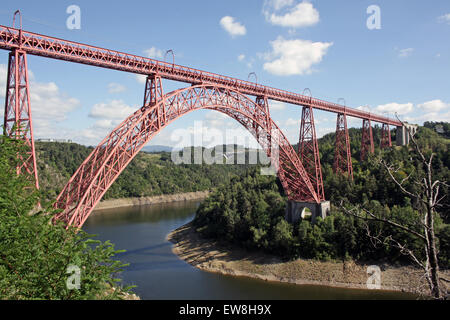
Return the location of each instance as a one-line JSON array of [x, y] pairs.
[[403, 53], [48, 102], [215, 115], [154, 53], [430, 116], [234, 28], [294, 57], [320, 132], [445, 18], [279, 4], [276, 105], [292, 122], [109, 115], [241, 57], [115, 109], [302, 14], [3, 75], [108, 124], [434, 106], [49, 107], [395, 108], [141, 78], [116, 88]]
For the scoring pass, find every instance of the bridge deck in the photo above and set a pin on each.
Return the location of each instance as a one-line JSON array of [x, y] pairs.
[[45, 46]]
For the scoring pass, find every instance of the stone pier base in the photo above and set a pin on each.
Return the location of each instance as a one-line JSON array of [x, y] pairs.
[[296, 210]]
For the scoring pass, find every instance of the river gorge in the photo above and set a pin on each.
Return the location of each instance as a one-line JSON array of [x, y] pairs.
[[158, 273]]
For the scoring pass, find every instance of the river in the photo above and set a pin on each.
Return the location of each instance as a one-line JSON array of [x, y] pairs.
[[160, 274]]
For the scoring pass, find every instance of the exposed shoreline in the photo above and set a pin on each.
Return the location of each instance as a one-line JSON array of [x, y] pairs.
[[211, 256], [135, 202]]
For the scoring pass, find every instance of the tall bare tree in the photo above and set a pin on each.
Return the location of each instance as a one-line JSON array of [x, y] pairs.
[[428, 201]]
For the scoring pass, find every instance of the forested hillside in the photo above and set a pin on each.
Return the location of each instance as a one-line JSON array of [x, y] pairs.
[[149, 174], [249, 212]]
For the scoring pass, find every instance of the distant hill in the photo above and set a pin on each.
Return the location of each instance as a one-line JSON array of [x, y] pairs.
[[151, 173], [157, 148]]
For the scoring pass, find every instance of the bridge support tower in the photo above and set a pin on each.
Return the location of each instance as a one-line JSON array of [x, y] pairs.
[[386, 141], [263, 116], [342, 156], [308, 151], [366, 140], [17, 117]]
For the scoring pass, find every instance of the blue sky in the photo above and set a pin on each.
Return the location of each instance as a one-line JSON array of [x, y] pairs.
[[325, 46]]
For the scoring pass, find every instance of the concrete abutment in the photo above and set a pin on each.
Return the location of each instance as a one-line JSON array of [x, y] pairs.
[[296, 210]]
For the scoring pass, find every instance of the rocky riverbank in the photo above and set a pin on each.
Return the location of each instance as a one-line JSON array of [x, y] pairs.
[[213, 257], [131, 202]]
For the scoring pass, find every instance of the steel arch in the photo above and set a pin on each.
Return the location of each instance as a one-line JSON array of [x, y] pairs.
[[97, 173]]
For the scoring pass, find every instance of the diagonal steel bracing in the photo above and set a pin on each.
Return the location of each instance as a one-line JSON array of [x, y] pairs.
[[342, 155], [17, 118], [386, 141], [367, 145], [88, 185], [308, 151]]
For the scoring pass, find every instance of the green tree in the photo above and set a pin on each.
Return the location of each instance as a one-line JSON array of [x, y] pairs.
[[35, 254]]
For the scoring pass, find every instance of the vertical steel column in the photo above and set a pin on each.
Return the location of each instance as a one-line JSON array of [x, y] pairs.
[[366, 139], [386, 141], [17, 119], [262, 103], [308, 151], [342, 156], [154, 93]]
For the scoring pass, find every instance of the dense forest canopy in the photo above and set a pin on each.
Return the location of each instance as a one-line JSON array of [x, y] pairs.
[[249, 211], [149, 174]]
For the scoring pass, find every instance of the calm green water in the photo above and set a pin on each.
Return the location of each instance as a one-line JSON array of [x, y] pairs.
[[159, 274]]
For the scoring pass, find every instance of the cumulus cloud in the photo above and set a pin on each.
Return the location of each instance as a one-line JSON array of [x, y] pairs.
[[113, 110], [108, 115], [154, 53], [294, 57], [430, 116], [302, 14], [292, 122], [279, 4], [276, 105], [444, 18], [396, 108], [141, 78], [49, 107], [48, 102], [234, 28], [434, 106], [116, 88]]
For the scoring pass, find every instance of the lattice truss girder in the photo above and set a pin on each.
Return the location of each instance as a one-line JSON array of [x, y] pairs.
[[386, 141], [112, 155], [342, 156], [367, 145], [46, 46], [17, 116], [308, 151]]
